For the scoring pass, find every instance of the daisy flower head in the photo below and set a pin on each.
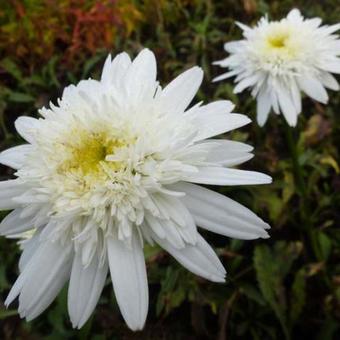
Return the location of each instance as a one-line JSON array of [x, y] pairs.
[[110, 167], [278, 60]]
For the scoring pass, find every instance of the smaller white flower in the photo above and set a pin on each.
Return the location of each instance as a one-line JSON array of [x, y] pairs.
[[279, 59]]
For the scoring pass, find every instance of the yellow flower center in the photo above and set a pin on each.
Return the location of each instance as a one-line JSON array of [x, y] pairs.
[[280, 43], [87, 155], [278, 40]]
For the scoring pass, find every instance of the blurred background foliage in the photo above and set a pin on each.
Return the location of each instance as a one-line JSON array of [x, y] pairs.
[[287, 287]]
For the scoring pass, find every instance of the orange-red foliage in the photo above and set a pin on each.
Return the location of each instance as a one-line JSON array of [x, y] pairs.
[[32, 31]]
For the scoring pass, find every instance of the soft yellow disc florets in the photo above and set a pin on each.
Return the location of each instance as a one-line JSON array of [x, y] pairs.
[[278, 40], [87, 156]]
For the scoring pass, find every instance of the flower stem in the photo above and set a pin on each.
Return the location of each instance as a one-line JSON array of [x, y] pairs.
[[297, 169], [305, 213]]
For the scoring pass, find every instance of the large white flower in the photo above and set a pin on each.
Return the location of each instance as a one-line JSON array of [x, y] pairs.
[[111, 167], [279, 59]]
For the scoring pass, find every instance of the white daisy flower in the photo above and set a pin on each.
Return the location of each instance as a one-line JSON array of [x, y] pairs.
[[112, 166], [280, 59]]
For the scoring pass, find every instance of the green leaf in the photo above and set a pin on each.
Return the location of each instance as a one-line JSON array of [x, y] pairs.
[[285, 254], [51, 71], [10, 67], [322, 245], [18, 97], [252, 293], [5, 313], [269, 279], [298, 295]]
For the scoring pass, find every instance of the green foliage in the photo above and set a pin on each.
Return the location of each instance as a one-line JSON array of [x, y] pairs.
[[284, 287], [272, 267]]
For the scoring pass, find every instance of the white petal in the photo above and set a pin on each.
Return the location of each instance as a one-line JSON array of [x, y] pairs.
[[29, 247], [106, 68], [176, 96], [200, 259], [113, 72], [243, 27], [329, 81], [155, 224], [42, 278], [274, 101], [313, 88], [9, 190], [263, 107], [172, 234], [86, 285], [16, 156], [212, 125], [246, 82], [128, 274], [331, 29], [230, 145], [223, 76], [50, 267], [220, 214], [218, 107], [140, 79], [296, 96], [332, 66], [26, 127], [223, 155], [287, 106], [183, 227], [225, 176], [295, 15], [13, 223]]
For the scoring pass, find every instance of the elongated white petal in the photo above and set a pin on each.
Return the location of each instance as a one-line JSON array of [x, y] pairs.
[[50, 267], [218, 107], [176, 96], [16, 156], [220, 214], [29, 247], [156, 225], [246, 82], [180, 228], [213, 125], [9, 190], [223, 76], [227, 157], [230, 145], [332, 66], [200, 259], [128, 274], [329, 81], [296, 96], [313, 88], [263, 107], [48, 297], [26, 127], [13, 223], [141, 76], [86, 285], [225, 176], [114, 70], [287, 106]]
